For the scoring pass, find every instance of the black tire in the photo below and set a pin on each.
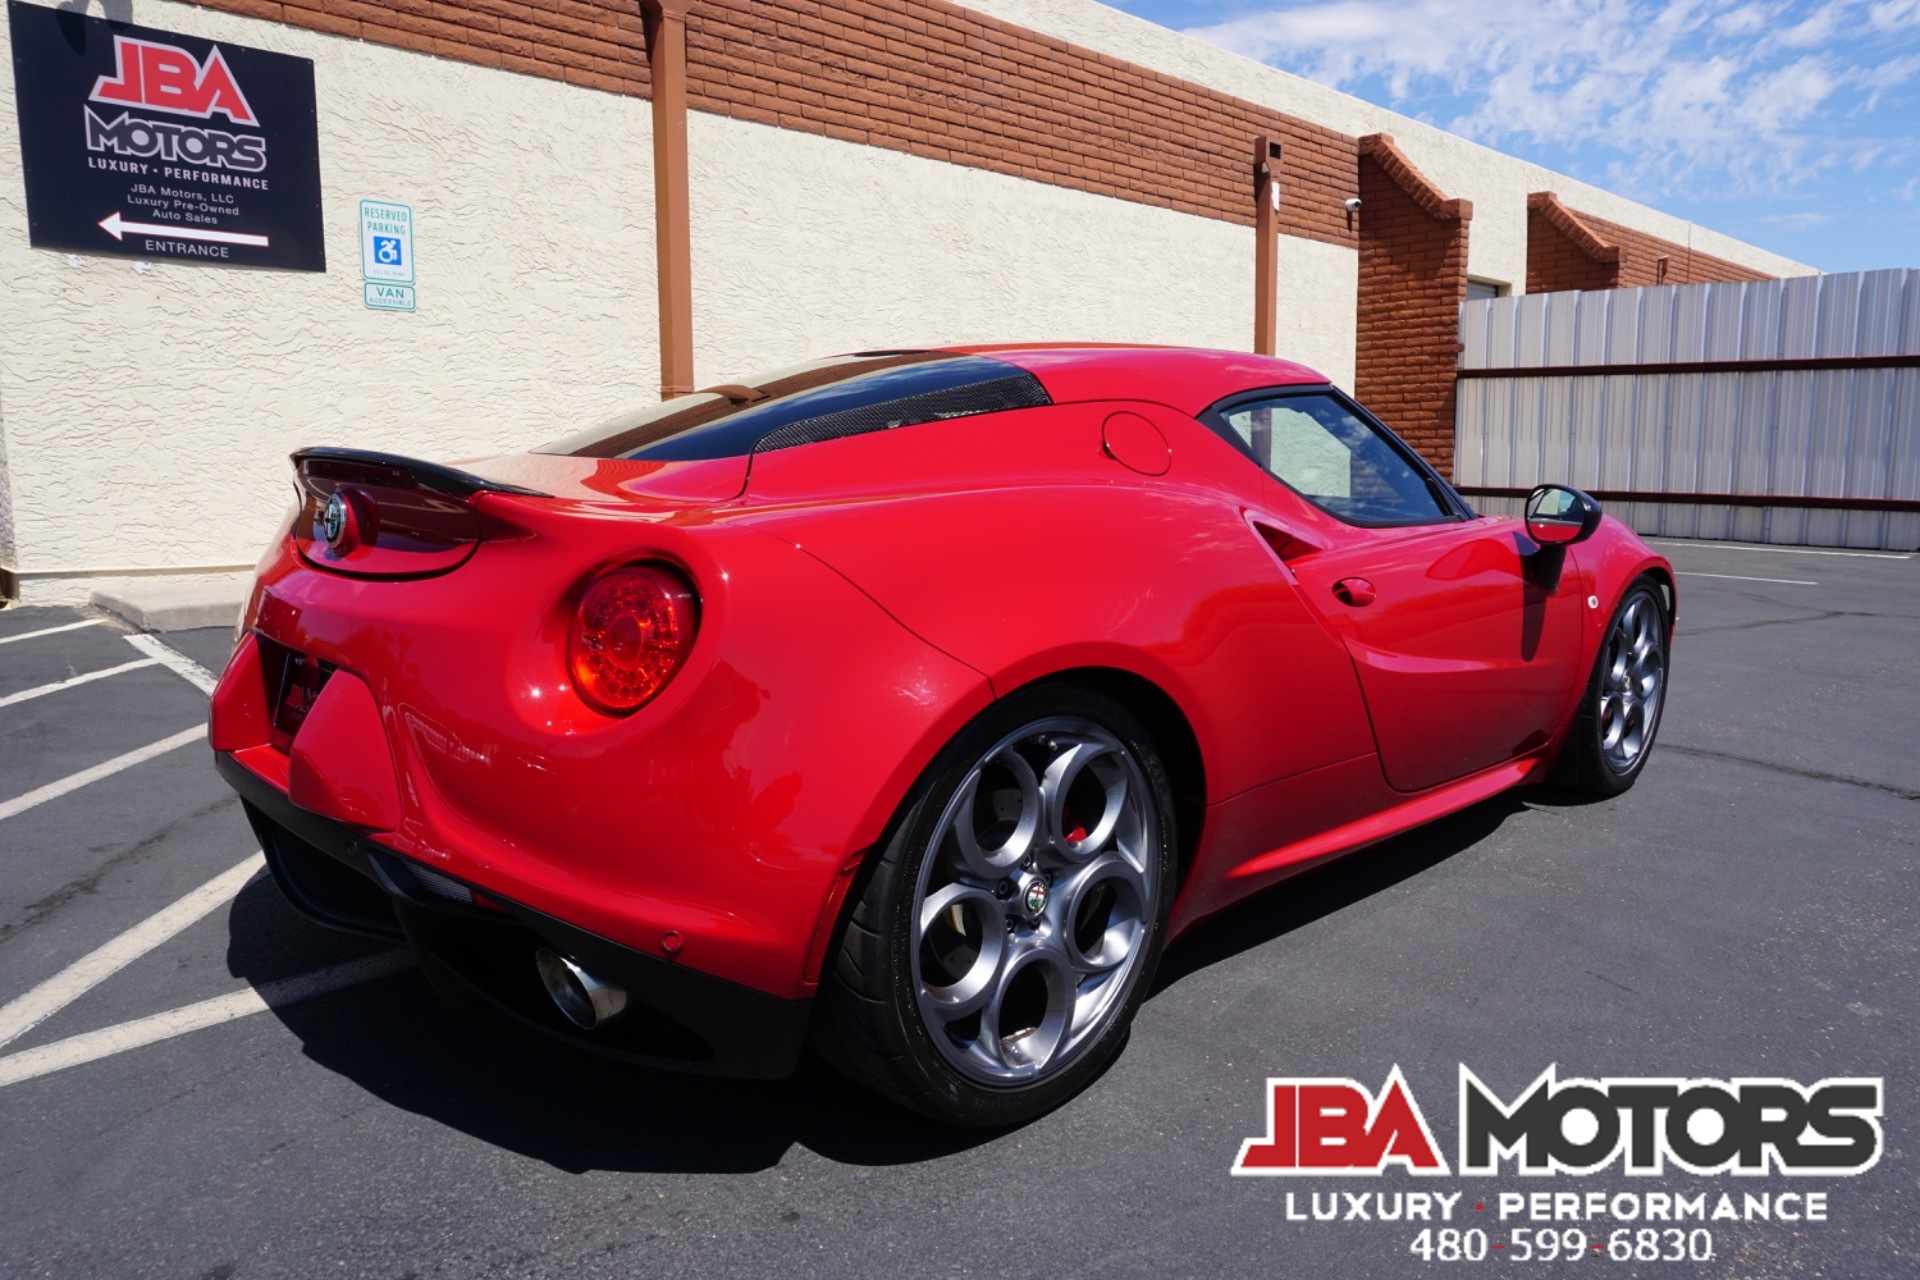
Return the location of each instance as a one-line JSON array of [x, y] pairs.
[[876, 1019], [1592, 761]]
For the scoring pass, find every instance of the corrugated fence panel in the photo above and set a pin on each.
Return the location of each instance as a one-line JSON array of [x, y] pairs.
[[1617, 441], [1470, 448], [1500, 417], [1869, 455], [1830, 434], [1792, 429], [1799, 316], [1529, 329], [1753, 450], [1760, 322], [1835, 433], [1883, 304], [1903, 528], [1473, 330], [1656, 325], [1535, 416], [1623, 327]]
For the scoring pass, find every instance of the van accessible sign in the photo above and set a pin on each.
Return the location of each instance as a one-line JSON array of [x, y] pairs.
[[156, 145]]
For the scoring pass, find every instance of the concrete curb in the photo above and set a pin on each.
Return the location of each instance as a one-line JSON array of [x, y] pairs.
[[175, 608]]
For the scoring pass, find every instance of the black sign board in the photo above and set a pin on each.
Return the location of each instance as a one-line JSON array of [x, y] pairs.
[[158, 145]]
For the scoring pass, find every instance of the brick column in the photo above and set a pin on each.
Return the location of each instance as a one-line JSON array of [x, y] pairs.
[[1413, 278]]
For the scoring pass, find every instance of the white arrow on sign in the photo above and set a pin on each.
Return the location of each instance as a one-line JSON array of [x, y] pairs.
[[117, 227]]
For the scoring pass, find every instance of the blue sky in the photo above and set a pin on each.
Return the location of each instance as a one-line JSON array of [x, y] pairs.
[[1793, 125]]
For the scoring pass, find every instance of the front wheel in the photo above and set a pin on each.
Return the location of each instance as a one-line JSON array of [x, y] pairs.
[[1619, 715], [997, 953]]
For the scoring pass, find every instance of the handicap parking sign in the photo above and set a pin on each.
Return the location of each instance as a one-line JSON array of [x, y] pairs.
[[386, 242]]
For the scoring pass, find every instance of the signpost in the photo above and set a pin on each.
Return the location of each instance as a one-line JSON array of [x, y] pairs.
[[156, 145], [386, 255], [388, 297]]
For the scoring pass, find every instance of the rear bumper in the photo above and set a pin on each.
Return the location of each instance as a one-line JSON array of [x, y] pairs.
[[679, 1018]]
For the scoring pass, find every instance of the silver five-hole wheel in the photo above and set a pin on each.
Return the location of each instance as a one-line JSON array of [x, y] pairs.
[[1633, 678], [1034, 901]]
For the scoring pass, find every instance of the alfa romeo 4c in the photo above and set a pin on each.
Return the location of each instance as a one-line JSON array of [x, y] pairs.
[[905, 704]]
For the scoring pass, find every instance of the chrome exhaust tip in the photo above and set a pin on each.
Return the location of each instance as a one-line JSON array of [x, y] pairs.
[[586, 1001]]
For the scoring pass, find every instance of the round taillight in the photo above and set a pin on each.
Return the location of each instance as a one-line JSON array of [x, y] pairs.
[[631, 633]]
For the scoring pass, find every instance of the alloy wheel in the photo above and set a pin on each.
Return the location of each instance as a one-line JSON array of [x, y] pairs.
[[1034, 901], [1632, 680]]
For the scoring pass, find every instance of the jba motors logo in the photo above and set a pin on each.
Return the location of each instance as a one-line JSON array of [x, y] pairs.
[[167, 78], [1317, 1127], [1320, 1127], [163, 77]]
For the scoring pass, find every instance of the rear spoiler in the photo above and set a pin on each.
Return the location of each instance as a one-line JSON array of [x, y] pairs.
[[364, 466]]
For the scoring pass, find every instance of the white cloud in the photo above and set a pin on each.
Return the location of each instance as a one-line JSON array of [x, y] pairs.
[[1895, 15], [1673, 88]]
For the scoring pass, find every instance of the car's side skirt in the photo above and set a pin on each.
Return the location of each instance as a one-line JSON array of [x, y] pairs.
[[1232, 863]]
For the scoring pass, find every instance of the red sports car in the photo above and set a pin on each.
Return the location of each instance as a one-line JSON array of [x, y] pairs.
[[905, 703]]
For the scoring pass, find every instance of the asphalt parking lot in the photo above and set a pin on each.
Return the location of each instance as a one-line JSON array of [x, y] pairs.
[[1749, 909]]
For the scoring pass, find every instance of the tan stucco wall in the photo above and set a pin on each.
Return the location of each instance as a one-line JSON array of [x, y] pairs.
[[830, 246]]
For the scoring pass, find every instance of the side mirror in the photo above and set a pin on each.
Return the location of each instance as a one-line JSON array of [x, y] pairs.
[[1559, 515]]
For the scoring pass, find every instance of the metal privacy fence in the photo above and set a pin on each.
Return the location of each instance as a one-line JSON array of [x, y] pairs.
[[1782, 411]]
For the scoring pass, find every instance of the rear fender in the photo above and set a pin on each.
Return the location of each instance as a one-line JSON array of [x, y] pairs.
[[1177, 590]]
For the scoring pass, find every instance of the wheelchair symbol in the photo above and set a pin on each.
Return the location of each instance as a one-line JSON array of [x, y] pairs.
[[386, 250]]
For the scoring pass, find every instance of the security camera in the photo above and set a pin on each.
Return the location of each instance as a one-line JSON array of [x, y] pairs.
[[1353, 204]]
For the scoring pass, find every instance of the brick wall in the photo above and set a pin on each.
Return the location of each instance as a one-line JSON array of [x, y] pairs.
[[599, 44], [1640, 256], [1559, 259], [1571, 250], [1413, 278], [920, 76]]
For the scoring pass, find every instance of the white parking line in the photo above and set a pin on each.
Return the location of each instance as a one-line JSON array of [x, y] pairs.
[[1784, 551], [176, 661], [1741, 577], [42, 691], [52, 631], [89, 971], [74, 781], [93, 1045]]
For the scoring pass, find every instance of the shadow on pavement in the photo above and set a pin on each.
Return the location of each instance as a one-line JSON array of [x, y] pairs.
[[1331, 887], [510, 1086]]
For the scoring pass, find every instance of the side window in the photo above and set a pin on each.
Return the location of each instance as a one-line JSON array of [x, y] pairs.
[[1320, 450]]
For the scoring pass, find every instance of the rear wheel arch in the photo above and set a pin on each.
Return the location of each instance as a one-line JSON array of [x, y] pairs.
[[1173, 737], [1173, 740]]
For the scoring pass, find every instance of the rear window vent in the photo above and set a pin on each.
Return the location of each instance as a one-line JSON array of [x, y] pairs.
[[802, 404], [1021, 391]]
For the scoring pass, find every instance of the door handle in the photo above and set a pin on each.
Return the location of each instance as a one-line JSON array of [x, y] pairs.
[[1354, 591]]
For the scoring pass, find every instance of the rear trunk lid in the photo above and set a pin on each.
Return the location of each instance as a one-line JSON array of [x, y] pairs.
[[379, 515]]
